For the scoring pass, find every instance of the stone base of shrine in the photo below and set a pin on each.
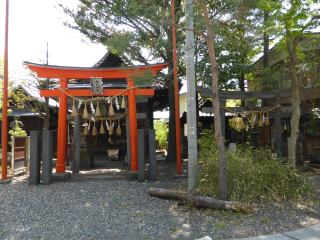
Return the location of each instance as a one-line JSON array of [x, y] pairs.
[[7, 181], [58, 177], [133, 172]]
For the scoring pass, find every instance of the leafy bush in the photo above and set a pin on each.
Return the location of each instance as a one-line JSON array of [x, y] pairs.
[[17, 132], [252, 174], [161, 132]]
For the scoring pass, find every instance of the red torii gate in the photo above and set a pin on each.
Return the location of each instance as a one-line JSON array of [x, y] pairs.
[[66, 73]]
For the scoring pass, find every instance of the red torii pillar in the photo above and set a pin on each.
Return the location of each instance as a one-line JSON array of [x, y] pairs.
[[66, 73]]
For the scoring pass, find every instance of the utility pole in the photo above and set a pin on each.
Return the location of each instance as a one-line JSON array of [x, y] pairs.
[[5, 101], [46, 99], [191, 101]]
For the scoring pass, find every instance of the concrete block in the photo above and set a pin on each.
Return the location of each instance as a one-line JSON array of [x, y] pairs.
[[152, 155], [141, 164], [47, 143], [310, 233], [58, 177], [35, 138], [268, 237]]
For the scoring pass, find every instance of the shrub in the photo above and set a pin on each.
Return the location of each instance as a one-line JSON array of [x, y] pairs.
[[252, 174], [17, 132], [161, 132]]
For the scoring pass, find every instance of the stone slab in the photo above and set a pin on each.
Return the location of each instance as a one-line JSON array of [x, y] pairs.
[[152, 155], [268, 237], [310, 233], [141, 164], [7, 181], [47, 140], [35, 140], [133, 172], [61, 176], [176, 176]]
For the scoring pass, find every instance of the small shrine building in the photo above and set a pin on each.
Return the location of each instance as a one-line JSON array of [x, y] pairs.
[[98, 95]]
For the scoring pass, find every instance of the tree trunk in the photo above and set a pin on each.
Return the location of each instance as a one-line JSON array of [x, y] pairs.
[[241, 85], [295, 101], [198, 201], [46, 124], [222, 182]]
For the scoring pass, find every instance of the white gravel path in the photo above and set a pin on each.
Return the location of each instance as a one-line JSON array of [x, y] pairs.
[[107, 208]]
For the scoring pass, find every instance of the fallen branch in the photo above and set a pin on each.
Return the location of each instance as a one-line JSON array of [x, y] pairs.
[[199, 201]]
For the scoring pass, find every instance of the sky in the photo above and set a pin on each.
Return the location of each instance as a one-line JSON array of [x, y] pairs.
[[33, 23]]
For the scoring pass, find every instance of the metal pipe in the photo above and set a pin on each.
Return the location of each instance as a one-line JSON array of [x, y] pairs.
[[5, 100], [176, 93]]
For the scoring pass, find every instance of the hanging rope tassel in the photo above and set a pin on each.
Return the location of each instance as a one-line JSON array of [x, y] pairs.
[[233, 122], [86, 128], [111, 111], [288, 126], [110, 128], [242, 125], [282, 126], [123, 103], [252, 122], [267, 120], [94, 130], [118, 129], [260, 122], [85, 112], [98, 113], [74, 110], [102, 128]]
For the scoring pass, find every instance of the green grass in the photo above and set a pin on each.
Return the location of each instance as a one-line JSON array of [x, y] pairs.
[[252, 175], [220, 225]]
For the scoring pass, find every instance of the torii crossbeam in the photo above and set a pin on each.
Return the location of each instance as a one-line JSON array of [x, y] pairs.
[[66, 73]]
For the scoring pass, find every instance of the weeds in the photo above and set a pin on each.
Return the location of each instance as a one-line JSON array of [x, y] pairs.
[[174, 229], [220, 225], [252, 175]]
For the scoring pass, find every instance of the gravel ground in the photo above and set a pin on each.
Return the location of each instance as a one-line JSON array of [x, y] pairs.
[[109, 205]]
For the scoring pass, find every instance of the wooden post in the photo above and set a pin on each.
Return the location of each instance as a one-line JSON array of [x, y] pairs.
[[278, 132], [128, 140], [60, 168], [133, 125], [76, 143], [223, 116]]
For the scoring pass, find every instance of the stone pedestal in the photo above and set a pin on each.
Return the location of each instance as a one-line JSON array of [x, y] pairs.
[[35, 137]]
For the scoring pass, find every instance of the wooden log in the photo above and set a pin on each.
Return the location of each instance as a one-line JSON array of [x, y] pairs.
[[199, 201]]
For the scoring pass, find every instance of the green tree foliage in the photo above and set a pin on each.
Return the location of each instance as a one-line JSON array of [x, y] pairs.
[[252, 175], [138, 32], [235, 47], [293, 22], [161, 132], [32, 82], [17, 131]]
